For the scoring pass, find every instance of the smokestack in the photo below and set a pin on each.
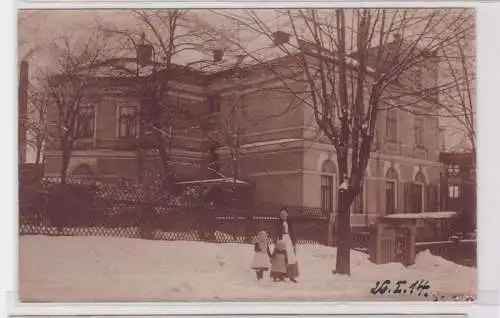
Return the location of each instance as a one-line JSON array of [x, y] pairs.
[[23, 109], [144, 52], [281, 37], [218, 55]]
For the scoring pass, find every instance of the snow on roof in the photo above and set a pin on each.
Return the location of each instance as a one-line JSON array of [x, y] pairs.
[[212, 181], [424, 215], [265, 51], [253, 145], [268, 143], [252, 54]]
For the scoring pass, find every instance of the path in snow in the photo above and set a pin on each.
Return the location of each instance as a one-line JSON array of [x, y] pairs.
[[120, 269]]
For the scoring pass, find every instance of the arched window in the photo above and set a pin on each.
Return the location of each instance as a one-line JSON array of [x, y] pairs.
[[420, 178], [391, 184], [418, 186], [328, 167], [328, 172]]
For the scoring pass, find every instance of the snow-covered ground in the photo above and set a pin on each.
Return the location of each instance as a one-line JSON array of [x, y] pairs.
[[121, 269]]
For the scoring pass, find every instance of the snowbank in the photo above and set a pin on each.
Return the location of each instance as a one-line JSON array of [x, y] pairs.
[[121, 269]]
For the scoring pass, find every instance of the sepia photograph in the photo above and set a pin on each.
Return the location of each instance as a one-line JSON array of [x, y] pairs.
[[302, 154]]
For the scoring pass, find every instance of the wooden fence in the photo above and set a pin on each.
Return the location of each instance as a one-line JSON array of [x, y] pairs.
[[85, 208]]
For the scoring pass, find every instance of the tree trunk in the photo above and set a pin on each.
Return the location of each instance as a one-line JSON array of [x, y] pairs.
[[343, 263], [164, 160], [66, 155], [38, 154], [163, 152]]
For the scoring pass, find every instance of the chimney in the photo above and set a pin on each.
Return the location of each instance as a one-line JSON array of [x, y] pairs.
[[23, 109], [280, 38], [218, 55], [144, 52]]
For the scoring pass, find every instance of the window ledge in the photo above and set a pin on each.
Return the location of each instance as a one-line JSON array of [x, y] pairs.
[[391, 141]]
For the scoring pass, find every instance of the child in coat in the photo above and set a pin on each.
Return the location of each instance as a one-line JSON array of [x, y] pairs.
[[279, 262], [260, 262]]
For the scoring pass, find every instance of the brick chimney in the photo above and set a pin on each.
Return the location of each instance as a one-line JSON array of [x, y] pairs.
[[144, 52], [280, 38], [218, 55], [23, 109]]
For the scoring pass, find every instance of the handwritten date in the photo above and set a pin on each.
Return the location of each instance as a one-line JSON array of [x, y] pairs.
[[419, 287]]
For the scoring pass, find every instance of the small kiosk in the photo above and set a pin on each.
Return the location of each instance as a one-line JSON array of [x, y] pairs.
[[394, 236]]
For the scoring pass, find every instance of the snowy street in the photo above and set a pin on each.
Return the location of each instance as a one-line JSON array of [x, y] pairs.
[[121, 269]]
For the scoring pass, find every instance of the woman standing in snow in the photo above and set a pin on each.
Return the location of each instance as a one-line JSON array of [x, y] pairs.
[[260, 262], [286, 234]]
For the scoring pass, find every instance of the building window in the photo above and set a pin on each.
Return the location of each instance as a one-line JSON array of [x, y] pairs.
[[214, 102], [391, 129], [358, 204], [417, 198], [327, 193], [417, 78], [417, 203], [390, 191], [128, 122], [327, 189], [453, 191], [85, 122], [390, 195], [419, 133]]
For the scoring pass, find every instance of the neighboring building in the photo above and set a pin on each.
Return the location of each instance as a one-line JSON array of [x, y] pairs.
[[459, 190], [270, 134]]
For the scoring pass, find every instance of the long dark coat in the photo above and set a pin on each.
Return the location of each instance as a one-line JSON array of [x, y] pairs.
[[280, 230]]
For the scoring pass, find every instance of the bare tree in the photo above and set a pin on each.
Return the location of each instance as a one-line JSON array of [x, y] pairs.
[[161, 38], [228, 129], [69, 85], [38, 105], [353, 64], [458, 102]]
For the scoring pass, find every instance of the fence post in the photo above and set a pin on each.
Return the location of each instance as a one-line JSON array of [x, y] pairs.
[[412, 250], [374, 246], [248, 225], [454, 250]]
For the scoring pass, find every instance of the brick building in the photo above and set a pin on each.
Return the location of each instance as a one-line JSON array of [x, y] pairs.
[[269, 133]]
